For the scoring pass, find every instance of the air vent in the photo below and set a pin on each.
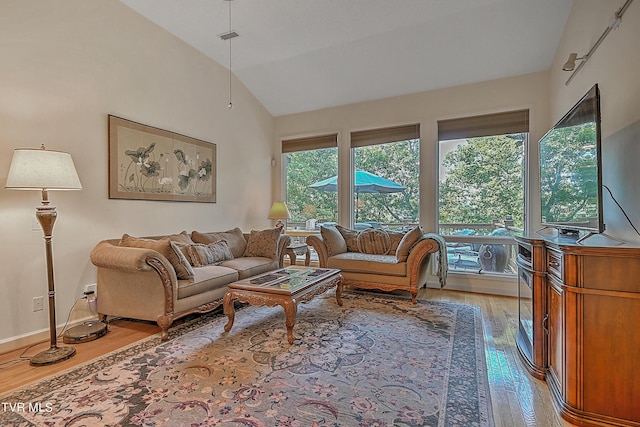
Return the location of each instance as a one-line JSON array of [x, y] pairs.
[[228, 35]]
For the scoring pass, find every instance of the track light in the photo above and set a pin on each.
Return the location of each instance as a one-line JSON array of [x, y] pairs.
[[570, 65], [571, 62]]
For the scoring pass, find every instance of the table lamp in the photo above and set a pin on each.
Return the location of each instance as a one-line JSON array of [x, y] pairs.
[[42, 169], [279, 211]]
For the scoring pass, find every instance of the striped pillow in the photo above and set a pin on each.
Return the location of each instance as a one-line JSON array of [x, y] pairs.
[[220, 251], [374, 241], [200, 255]]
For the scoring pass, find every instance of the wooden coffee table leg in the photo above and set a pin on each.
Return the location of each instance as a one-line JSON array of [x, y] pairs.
[[290, 310], [229, 310], [339, 293]]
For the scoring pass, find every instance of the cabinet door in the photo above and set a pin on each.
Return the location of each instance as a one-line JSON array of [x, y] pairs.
[[555, 343]]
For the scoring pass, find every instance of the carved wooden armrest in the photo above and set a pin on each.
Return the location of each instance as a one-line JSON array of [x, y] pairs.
[[418, 255], [318, 244], [283, 242]]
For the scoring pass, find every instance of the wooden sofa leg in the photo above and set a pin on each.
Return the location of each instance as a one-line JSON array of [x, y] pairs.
[[164, 322], [414, 297]]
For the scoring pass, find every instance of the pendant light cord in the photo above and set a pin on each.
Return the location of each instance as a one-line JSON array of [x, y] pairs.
[[230, 106]]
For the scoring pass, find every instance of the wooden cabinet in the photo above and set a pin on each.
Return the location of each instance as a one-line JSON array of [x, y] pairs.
[[532, 306], [591, 310], [555, 335]]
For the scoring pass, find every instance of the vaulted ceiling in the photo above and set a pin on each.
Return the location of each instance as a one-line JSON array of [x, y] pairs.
[[302, 55]]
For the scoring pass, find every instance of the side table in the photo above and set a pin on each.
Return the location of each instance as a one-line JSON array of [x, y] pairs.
[[295, 249]]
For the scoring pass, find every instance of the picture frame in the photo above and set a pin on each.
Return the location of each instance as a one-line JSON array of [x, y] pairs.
[[147, 163]]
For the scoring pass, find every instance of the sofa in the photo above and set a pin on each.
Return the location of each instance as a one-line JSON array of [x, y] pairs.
[[163, 278], [381, 259]]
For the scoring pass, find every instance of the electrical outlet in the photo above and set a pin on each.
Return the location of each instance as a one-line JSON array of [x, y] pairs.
[[38, 304], [90, 288]]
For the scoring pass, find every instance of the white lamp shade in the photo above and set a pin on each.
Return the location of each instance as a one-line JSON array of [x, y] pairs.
[[39, 168], [279, 211]]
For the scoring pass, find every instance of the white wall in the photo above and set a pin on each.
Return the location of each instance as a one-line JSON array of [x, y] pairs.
[[615, 67], [66, 65], [527, 91]]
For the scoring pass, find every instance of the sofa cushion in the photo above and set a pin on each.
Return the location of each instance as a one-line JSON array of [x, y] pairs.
[[409, 239], [234, 238], [368, 263], [333, 240], [374, 241], [263, 243], [182, 238], [250, 266], [350, 237], [166, 248], [205, 279]]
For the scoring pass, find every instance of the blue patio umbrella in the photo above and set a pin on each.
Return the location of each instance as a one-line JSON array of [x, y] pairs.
[[365, 182]]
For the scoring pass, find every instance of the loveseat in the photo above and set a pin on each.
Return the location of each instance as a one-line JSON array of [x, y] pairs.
[[381, 259], [163, 278]]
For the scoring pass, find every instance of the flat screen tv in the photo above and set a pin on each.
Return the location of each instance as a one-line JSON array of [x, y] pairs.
[[570, 170]]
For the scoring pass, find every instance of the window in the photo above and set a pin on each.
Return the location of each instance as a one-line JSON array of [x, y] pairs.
[[308, 161], [481, 189], [386, 165]]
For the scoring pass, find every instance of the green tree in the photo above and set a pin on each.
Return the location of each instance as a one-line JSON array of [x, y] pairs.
[[303, 169], [398, 162], [484, 181], [569, 182]]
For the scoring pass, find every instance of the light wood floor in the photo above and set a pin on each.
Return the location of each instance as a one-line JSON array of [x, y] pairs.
[[517, 398]]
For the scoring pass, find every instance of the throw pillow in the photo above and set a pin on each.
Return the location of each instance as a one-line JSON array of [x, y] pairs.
[[409, 239], [234, 238], [333, 240], [220, 251], [166, 248], [263, 243], [395, 237], [374, 241], [350, 237], [185, 249], [200, 255]]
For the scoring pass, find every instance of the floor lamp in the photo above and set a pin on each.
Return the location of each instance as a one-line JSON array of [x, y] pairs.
[[42, 169]]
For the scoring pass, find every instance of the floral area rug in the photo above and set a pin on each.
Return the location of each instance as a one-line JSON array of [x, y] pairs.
[[376, 361]]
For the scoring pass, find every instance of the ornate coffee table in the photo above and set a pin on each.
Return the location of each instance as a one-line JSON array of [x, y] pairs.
[[286, 287]]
